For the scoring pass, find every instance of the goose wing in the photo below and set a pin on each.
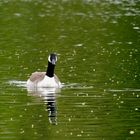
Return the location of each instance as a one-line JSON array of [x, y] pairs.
[[37, 76]]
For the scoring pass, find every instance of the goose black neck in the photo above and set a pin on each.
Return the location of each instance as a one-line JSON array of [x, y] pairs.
[[50, 70]]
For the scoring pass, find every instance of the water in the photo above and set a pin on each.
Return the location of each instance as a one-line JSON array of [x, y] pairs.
[[97, 43]]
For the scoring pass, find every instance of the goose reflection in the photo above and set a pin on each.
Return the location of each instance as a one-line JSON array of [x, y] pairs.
[[49, 97]]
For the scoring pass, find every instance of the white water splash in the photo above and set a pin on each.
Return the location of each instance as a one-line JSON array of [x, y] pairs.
[[17, 83]]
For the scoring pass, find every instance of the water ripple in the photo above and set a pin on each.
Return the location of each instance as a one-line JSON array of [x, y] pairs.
[[64, 86], [124, 90]]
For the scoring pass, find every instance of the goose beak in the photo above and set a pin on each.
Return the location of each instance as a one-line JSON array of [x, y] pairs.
[[53, 61]]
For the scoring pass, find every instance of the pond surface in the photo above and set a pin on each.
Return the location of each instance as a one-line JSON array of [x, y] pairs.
[[97, 43]]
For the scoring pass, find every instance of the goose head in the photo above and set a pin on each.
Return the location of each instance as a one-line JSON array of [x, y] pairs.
[[52, 58]]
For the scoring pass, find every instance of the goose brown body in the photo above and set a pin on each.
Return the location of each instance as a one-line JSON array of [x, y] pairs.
[[39, 76]]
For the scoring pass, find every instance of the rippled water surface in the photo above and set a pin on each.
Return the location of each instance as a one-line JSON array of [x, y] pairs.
[[97, 43]]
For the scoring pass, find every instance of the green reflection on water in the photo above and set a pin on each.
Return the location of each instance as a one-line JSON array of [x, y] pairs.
[[98, 47]]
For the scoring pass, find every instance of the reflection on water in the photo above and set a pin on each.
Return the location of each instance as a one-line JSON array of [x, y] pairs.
[[51, 107], [48, 95]]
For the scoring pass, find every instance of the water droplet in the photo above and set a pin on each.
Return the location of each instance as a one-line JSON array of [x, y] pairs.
[[121, 102], [40, 116], [114, 95], [41, 15], [17, 14], [78, 45], [79, 135], [137, 96], [83, 103], [136, 109], [32, 126], [136, 28], [71, 133], [131, 132], [69, 119], [22, 131], [117, 82], [129, 43]]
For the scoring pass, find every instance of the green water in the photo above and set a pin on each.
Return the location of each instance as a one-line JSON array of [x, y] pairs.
[[97, 43]]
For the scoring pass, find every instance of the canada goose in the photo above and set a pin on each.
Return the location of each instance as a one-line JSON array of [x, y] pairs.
[[45, 79]]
